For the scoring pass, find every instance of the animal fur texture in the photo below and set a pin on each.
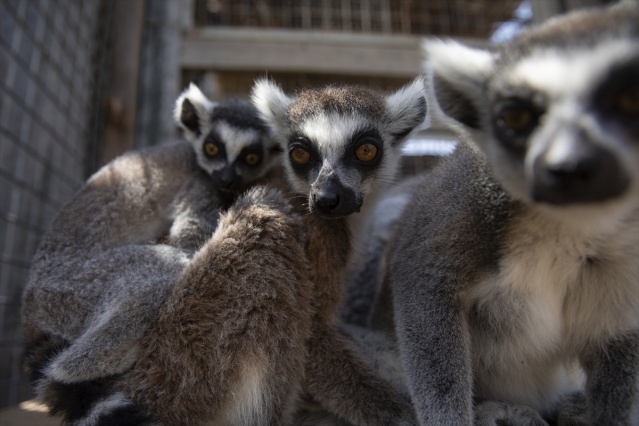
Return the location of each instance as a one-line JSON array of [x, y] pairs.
[[342, 146], [368, 261], [515, 273], [229, 344], [115, 251], [198, 391], [219, 353]]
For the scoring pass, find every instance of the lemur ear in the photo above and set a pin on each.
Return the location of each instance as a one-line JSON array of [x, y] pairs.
[[456, 75], [272, 103], [406, 109], [192, 111]]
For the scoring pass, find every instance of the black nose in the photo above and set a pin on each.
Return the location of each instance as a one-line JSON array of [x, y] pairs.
[[228, 179], [587, 174], [326, 201], [226, 182], [332, 199]]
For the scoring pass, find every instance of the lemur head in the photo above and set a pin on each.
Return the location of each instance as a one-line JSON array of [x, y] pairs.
[[340, 142], [556, 110], [232, 143]]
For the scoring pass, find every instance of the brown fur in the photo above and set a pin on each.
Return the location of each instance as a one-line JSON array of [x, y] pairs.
[[221, 320], [238, 318], [339, 99]]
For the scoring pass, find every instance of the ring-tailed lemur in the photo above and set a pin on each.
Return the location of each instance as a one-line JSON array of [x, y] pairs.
[[343, 145], [232, 145], [271, 382], [517, 262], [99, 276]]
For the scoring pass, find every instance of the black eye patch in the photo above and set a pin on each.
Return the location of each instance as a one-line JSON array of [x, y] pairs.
[[513, 120], [365, 149], [302, 153], [213, 149], [251, 155], [618, 90]]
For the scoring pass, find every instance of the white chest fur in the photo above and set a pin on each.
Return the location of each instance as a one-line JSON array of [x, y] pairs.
[[558, 290]]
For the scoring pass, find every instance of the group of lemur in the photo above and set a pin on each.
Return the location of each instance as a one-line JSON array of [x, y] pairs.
[[202, 282]]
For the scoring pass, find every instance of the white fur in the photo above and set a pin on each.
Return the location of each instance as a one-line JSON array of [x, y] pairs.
[[463, 66], [556, 306], [247, 400], [457, 62], [561, 74], [330, 132], [202, 105], [400, 106], [236, 139], [272, 103]]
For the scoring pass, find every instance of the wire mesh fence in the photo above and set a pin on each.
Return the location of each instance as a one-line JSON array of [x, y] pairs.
[[460, 18], [47, 80]]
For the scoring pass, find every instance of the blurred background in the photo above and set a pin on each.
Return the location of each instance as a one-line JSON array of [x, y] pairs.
[[81, 81]]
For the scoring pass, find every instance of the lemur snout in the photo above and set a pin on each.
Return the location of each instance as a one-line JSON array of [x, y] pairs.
[[332, 199], [590, 173], [228, 179]]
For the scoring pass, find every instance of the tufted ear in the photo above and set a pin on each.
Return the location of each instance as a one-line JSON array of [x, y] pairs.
[[405, 109], [457, 74], [192, 112], [272, 103]]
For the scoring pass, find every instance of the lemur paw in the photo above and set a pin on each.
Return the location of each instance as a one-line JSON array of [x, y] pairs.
[[493, 413]]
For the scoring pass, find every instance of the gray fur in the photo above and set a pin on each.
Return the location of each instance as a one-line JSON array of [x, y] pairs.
[[97, 261], [368, 261], [114, 252], [229, 344], [511, 277], [330, 123]]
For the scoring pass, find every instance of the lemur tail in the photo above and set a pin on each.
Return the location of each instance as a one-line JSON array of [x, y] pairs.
[[87, 403]]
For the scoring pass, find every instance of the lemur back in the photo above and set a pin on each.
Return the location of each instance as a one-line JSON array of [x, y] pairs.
[[514, 274], [114, 252]]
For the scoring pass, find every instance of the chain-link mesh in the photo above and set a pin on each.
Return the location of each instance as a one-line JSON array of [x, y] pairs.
[[47, 98], [460, 18]]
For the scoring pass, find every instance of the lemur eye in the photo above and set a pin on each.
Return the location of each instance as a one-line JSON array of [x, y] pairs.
[[252, 159], [210, 149], [300, 155], [517, 116], [366, 152], [627, 101], [516, 119]]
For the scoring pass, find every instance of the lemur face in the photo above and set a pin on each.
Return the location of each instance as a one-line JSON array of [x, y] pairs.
[[340, 143], [232, 143], [556, 111]]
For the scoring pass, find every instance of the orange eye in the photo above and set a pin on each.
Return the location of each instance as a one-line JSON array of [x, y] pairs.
[[252, 159], [366, 152], [210, 149], [300, 156], [516, 119], [627, 102]]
